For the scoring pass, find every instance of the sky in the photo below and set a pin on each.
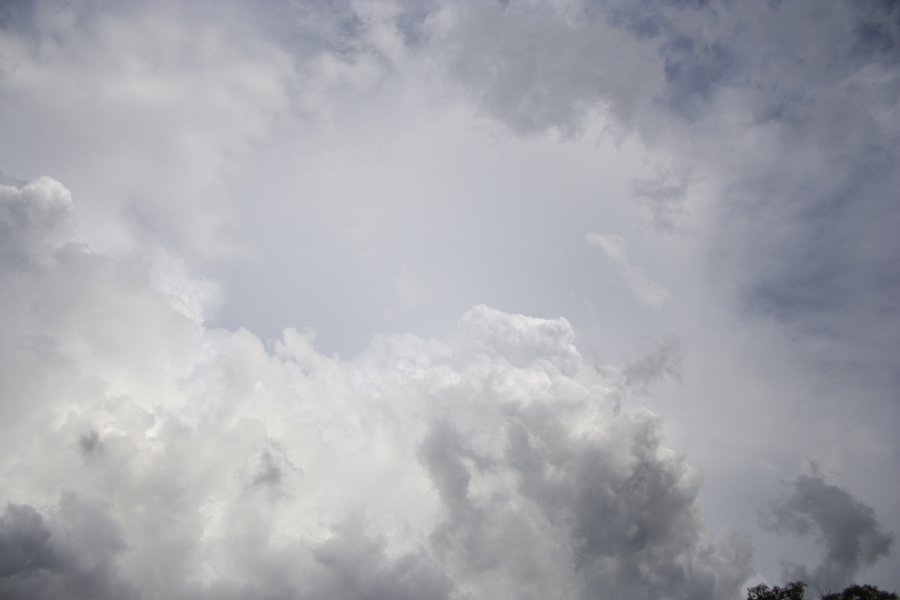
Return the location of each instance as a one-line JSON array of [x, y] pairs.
[[448, 299]]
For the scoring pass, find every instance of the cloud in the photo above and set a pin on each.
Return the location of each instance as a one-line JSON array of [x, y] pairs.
[[764, 99], [787, 112], [72, 556], [355, 568], [538, 66], [30, 218], [75, 555], [611, 512], [392, 164], [157, 457], [846, 530], [523, 341], [664, 195], [637, 377], [662, 362], [632, 277], [144, 110]]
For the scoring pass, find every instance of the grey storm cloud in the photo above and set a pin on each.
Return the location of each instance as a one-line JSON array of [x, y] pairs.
[[72, 556], [846, 531]]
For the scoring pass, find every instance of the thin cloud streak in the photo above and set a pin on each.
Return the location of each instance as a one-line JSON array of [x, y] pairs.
[[646, 291]]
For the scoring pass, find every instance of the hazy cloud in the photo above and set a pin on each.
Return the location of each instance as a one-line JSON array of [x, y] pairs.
[[111, 96], [646, 291], [662, 362], [537, 66], [664, 195]]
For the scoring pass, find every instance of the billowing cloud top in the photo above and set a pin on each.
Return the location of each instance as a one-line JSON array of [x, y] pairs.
[[490, 464]]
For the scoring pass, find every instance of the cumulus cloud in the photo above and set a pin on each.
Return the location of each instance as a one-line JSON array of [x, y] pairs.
[[30, 219], [847, 531], [163, 458], [606, 511]]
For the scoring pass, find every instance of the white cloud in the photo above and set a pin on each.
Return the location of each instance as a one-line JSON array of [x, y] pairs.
[[144, 113], [30, 219], [189, 462]]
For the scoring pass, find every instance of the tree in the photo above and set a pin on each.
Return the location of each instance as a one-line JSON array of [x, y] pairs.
[[794, 591], [861, 592]]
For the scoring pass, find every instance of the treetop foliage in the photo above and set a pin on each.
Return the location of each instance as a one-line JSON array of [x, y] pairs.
[[792, 591], [795, 590], [861, 592]]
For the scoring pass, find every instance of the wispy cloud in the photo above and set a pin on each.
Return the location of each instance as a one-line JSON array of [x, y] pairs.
[[646, 291]]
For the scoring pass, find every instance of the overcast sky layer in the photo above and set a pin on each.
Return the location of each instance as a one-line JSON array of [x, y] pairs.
[[448, 300]]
